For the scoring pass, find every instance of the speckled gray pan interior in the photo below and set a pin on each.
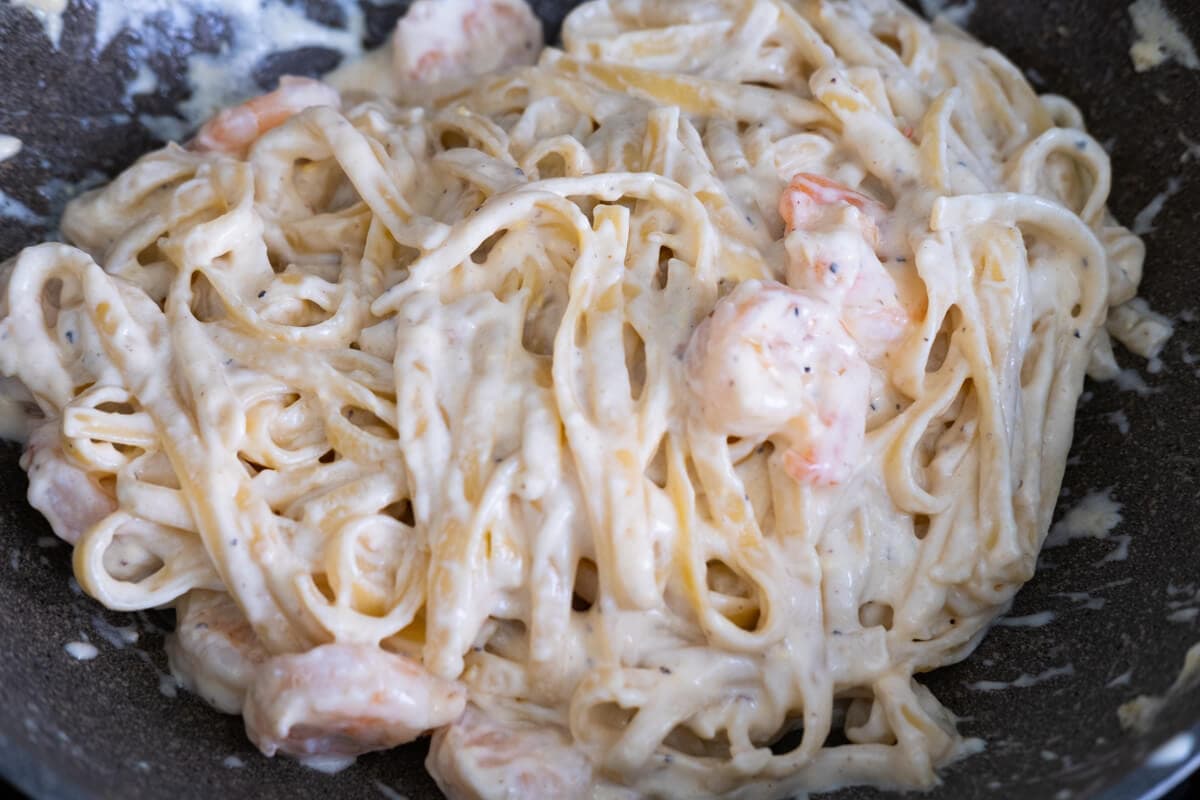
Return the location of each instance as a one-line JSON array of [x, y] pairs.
[[107, 728]]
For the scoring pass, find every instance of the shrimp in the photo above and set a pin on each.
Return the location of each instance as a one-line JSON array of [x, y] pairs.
[[214, 652], [233, 130], [833, 235], [68, 497], [481, 758], [773, 361], [440, 45], [343, 700], [808, 193]]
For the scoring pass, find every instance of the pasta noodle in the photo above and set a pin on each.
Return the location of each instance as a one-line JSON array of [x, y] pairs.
[[641, 420]]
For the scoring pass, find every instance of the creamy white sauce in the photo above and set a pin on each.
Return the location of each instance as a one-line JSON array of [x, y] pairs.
[[9, 146], [1175, 750], [1093, 517], [1024, 681], [1191, 150], [166, 127], [329, 765], [956, 11], [57, 192], [1120, 420], [168, 686], [1143, 223], [1160, 37], [1121, 680], [1118, 553], [49, 13], [144, 81], [1130, 380], [233, 762], [13, 209], [1085, 600], [1140, 713], [258, 28], [116, 635], [81, 651], [727, 226], [1142, 330], [1028, 621], [388, 792]]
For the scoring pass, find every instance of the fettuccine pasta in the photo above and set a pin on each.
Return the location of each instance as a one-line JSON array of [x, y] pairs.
[[640, 416]]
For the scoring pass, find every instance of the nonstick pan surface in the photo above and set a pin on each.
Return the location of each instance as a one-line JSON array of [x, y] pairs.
[[107, 727]]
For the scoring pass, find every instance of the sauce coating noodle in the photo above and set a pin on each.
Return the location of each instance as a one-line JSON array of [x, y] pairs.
[[707, 380]]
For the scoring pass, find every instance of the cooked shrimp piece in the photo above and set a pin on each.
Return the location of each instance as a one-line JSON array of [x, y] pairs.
[[481, 758], [808, 193], [771, 361], [440, 45], [214, 651], [833, 235], [233, 130], [344, 700], [70, 499]]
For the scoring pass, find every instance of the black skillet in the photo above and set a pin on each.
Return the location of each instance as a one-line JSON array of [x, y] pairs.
[[103, 728]]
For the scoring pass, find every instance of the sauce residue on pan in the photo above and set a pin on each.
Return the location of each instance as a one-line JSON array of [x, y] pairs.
[[1160, 38], [49, 13], [1093, 517], [9, 147], [256, 30], [1140, 713], [81, 651]]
